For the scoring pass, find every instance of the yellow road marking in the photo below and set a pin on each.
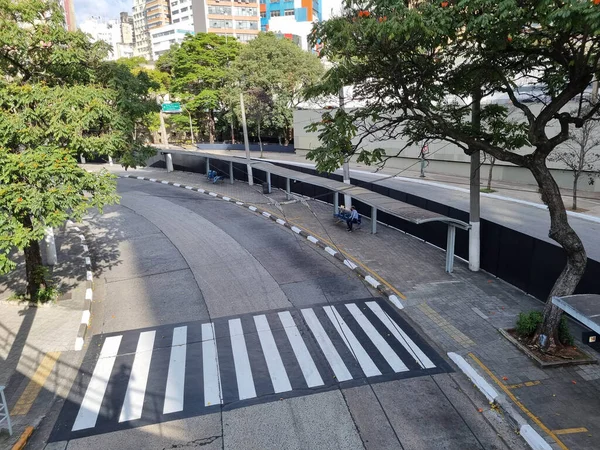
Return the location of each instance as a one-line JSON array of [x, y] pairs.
[[35, 385], [571, 430], [520, 385], [518, 403]]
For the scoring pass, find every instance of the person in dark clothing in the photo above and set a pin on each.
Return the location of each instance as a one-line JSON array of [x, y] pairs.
[[353, 218]]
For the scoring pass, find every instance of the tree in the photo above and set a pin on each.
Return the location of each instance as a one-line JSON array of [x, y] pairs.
[[58, 99], [414, 71], [199, 68], [580, 154], [280, 69]]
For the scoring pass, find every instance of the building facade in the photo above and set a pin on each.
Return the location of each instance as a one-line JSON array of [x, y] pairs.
[[290, 18], [164, 37], [234, 18], [181, 13], [69, 9]]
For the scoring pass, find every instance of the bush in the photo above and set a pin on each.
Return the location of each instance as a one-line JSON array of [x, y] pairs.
[[528, 322]]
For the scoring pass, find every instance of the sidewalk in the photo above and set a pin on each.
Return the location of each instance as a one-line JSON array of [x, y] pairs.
[[459, 312], [34, 339]]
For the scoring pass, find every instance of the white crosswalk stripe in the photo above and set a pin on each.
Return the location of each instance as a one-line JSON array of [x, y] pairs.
[[257, 356]]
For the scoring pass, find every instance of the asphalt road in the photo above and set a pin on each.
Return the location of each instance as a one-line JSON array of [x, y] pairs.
[[215, 327]]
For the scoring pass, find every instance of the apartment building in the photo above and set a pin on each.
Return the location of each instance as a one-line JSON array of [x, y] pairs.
[[234, 18], [181, 13], [291, 18], [164, 37]]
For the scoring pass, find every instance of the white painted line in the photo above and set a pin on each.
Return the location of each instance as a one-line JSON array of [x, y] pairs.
[[210, 359], [164, 182], [85, 248], [243, 372], [350, 264], [372, 281], [421, 358], [279, 377], [212, 194], [226, 199], [85, 317], [479, 313], [88, 262], [176, 184], [280, 222], [333, 357], [189, 188], [239, 203], [82, 237], [176, 374], [252, 208], [305, 361], [266, 214], [139, 178], [88, 275], [384, 348], [296, 230], [88, 294], [363, 358], [312, 239], [535, 441], [152, 179], [396, 301], [92, 400], [138, 377], [78, 343], [477, 379], [331, 251], [202, 191]]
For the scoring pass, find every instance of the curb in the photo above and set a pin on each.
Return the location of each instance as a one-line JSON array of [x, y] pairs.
[[87, 305], [378, 285], [531, 437], [22, 442]]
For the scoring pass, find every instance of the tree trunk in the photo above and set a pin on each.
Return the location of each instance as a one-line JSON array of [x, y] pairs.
[[561, 232], [489, 181], [288, 136], [232, 132], [211, 127], [259, 139], [33, 265], [575, 180]]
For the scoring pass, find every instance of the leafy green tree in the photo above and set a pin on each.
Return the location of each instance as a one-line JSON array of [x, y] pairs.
[[279, 69], [417, 70], [199, 69], [58, 99]]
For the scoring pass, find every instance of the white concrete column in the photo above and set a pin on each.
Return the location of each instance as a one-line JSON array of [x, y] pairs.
[[450, 248], [269, 181], [50, 247], [82, 159], [110, 161], [373, 220], [169, 161], [231, 172], [288, 189]]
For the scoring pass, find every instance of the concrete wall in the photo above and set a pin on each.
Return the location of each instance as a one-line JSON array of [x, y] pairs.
[[445, 157]]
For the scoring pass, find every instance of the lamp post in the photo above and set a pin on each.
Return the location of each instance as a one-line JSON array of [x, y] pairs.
[[246, 143], [191, 128]]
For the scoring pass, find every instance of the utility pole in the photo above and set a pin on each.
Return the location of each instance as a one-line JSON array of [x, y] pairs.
[[474, 210], [346, 165], [163, 130], [246, 144]]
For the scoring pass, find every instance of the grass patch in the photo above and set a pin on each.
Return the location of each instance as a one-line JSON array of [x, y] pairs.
[[487, 191]]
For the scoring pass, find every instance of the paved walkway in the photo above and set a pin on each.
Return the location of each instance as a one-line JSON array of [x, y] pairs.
[[460, 312], [32, 339]]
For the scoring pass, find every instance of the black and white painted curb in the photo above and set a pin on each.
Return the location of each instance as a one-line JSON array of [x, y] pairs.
[[387, 292], [87, 304], [532, 437]]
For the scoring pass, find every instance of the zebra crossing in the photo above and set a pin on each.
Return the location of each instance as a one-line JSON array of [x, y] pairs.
[[171, 372]]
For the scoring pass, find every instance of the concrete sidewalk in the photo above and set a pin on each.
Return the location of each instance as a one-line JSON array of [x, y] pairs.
[[460, 312], [34, 341]]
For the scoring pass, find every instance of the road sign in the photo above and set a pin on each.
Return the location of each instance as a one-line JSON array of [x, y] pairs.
[[171, 108]]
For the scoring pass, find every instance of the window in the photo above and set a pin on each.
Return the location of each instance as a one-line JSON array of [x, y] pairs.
[[246, 24], [217, 23], [274, 1], [245, 37], [175, 12], [244, 11], [288, 12], [275, 13], [184, 18], [164, 33], [175, 20], [263, 14], [221, 10], [183, 9], [175, 3]]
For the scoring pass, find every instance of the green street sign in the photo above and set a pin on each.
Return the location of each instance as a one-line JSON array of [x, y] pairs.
[[171, 108]]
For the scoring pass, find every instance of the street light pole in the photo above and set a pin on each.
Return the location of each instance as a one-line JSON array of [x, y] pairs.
[[191, 127], [474, 207], [346, 165], [246, 143]]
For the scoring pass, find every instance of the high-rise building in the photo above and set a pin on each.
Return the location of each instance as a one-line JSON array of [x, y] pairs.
[[164, 37], [234, 18], [126, 24], [181, 12], [108, 31], [290, 17], [157, 14], [148, 15], [69, 8]]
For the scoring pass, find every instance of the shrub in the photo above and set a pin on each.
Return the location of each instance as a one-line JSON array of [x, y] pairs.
[[528, 322], [564, 335]]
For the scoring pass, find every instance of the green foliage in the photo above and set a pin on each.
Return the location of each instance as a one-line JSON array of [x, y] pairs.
[[564, 335], [58, 99], [527, 323]]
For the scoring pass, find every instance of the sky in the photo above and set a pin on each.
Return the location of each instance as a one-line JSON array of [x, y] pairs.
[[108, 9]]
